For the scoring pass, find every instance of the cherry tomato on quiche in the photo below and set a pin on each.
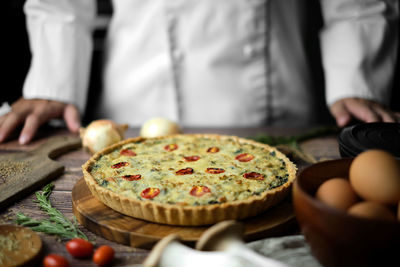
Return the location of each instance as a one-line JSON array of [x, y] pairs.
[[171, 147], [150, 192], [184, 171], [192, 158], [213, 149], [199, 190], [55, 260], [253, 176], [244, 157], [132, 177], [215, 170], [79, 248], [127, 152], [103, 255], [119, 165]]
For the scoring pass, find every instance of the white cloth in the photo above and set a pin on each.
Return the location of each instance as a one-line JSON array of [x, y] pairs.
[[211, 63], [292, 250]]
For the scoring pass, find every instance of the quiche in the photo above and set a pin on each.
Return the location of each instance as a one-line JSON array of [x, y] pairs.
[[189, 179]]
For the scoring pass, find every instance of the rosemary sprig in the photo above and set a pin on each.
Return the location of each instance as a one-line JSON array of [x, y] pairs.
[[57, 224], [291, 144], [294, 139]]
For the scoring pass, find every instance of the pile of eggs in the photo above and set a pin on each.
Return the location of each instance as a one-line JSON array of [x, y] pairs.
[[372, 189]]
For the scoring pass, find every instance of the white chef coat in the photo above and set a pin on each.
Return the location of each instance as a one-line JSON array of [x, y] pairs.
[[211, 62]]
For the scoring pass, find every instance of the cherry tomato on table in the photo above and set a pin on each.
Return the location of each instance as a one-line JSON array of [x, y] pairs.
[[103, 255], [54, 260], [79, 248]]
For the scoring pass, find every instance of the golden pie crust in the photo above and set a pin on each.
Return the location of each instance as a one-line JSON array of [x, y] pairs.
[[176, 214]]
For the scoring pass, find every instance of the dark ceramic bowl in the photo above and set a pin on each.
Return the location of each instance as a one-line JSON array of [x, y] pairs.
[[335, 238], [376, 135]]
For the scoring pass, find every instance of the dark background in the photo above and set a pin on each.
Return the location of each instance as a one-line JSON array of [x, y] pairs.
[[16, 56]]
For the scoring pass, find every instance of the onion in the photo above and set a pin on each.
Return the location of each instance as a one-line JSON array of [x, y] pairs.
[[159, 127], [100, 134]]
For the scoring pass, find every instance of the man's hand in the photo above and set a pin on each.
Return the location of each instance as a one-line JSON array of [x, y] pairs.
[[364, 110], [33, 113]]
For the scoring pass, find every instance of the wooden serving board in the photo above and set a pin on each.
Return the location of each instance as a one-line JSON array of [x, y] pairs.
[[123, 229], [25, 171]]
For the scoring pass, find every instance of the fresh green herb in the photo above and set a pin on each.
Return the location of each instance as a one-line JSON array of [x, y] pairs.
[[57, 224], [240, 150], [290, 144], [104, 183], [279, 140]]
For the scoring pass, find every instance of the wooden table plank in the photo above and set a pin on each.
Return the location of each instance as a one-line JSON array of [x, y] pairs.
[[321, 148]]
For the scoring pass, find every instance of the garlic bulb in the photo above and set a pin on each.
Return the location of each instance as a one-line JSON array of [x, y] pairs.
[[100, 134], [159, 127]]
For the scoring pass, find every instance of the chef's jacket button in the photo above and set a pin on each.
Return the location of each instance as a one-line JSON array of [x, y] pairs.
[[248, 51]]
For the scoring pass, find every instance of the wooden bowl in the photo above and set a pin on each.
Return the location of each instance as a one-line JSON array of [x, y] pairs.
[[336, 238], [20, 247]]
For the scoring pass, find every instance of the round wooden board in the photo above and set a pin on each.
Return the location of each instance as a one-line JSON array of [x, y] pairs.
[[120, 228]]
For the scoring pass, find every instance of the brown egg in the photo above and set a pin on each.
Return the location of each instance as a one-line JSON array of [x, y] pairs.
[[375, 176], [372, 210], [337, 193]]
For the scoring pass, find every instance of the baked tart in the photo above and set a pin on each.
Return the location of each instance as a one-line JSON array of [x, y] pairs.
[[189, 179]]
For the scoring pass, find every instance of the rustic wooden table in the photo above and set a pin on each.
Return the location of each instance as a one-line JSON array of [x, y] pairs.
[[325, 147]]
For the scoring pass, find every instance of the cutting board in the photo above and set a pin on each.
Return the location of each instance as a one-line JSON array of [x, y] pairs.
[[23, 172], [123, 229]]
